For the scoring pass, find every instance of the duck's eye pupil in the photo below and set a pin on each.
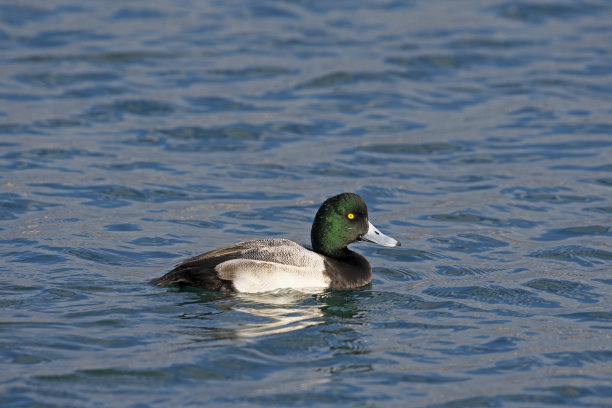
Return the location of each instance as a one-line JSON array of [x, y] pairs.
[[351, 216]]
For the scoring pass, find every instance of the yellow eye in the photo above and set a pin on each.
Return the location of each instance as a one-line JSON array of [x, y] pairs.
[[351, 216]]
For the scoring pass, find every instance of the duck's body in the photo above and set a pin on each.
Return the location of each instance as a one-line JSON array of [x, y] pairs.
[[269, 264]]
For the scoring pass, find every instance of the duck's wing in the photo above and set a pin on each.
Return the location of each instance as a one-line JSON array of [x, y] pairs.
[[250, 266], [280, 251]]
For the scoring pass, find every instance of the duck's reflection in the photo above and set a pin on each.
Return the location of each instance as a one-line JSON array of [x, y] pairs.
[[277, 312], [248, 316]]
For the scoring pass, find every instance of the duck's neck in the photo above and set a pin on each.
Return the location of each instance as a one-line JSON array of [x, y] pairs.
[[338, 253]]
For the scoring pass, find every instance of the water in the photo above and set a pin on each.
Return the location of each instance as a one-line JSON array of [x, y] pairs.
[[134, 135]]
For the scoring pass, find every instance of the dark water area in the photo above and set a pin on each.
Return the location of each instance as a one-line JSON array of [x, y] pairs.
[[136, 134]]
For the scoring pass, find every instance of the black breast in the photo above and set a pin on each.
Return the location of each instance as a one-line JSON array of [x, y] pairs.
[[348, 272]]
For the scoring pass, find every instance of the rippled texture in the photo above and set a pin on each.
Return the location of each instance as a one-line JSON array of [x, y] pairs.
[[134, 135]]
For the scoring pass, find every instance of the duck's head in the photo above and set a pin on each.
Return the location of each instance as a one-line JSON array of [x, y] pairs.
[[341, 220]]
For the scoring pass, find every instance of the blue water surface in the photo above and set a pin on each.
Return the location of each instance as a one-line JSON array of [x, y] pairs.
[[136, 134]]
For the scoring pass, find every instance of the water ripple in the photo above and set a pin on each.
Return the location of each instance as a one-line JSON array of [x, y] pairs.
[[579, 359], [12, 204], [576, 232], [539, 13], [468, 217], [584, 256], [572, 290], [492, 295], [499, 345], [470, 243], [120, 57], [548, 195], [520, 364], [591, 316], [417, 149], [60, 80], [112, 196], [116, 110]]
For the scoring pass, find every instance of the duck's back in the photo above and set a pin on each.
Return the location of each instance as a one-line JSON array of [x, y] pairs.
[[251, 266]]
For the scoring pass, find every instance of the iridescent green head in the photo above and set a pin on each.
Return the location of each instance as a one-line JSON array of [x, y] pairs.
[[341, 220]]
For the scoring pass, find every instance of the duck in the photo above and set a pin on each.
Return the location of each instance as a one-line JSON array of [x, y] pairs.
[[265, 265]]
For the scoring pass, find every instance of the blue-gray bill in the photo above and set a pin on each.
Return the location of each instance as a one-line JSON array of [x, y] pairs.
[[377, 237]]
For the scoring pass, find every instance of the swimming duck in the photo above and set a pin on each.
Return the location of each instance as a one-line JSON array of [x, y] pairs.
[[268, 264]]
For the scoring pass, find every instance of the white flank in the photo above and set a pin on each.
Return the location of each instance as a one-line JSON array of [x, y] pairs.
[[250, 275]]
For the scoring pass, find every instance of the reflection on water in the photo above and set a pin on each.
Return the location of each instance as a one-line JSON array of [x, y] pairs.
[[277, 312], [253, 315]]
